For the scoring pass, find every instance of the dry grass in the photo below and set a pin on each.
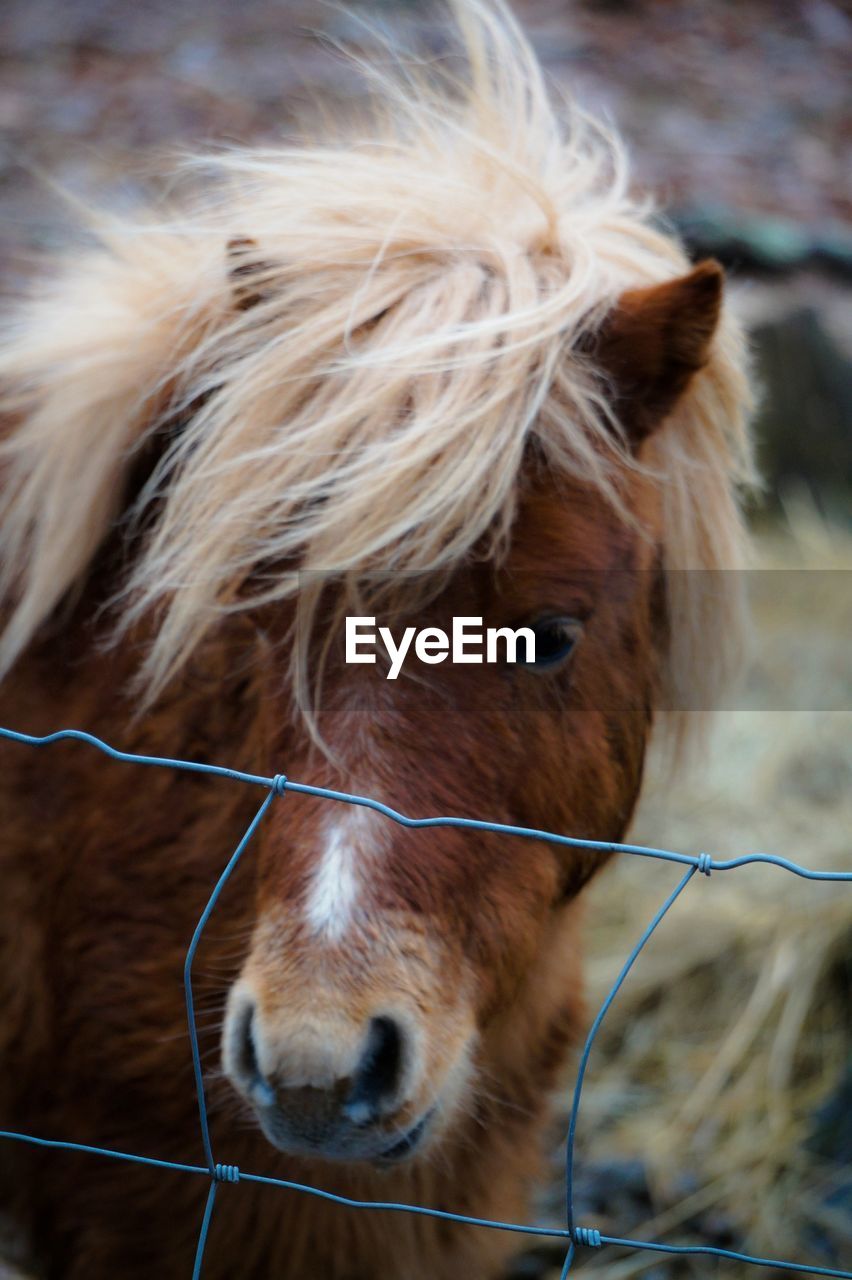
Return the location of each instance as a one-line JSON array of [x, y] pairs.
[[737, 1021]]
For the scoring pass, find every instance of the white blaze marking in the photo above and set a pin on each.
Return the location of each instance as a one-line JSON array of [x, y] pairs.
[[337, 881]]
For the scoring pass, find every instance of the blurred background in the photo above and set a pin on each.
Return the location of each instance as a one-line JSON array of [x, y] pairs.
[[718, 1105]]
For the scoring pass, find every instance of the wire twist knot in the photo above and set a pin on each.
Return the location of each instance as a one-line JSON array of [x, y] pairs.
[[279, 784], [587, 1236], [226, 1173], [705, 863]]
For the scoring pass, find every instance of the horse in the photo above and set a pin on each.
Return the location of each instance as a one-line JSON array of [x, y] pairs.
[[442, 362]]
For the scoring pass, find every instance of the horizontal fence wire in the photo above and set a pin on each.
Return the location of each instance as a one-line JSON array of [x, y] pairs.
[[217, 1172]]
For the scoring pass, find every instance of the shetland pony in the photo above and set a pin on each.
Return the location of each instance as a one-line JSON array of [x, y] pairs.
[[442, 365]]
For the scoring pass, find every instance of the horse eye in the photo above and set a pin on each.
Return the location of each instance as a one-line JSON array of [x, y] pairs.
[[555, 639]]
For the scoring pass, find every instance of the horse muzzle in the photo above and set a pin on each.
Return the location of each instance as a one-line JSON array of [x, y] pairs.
[[326, 1088]]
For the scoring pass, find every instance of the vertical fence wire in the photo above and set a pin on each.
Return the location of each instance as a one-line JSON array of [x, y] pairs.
[[575, 1236], [187, 978]]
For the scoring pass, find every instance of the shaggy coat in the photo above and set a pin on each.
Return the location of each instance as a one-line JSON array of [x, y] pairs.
[[448, 366]]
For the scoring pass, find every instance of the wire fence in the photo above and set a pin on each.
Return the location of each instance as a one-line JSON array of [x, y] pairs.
[[217, 1172]]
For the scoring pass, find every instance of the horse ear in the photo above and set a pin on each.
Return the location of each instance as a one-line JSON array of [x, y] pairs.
[[244, 270], [654, 341]]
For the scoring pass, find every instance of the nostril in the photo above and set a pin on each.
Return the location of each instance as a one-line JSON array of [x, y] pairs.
[[245, 1052], [245, 1056], [377, 1076]]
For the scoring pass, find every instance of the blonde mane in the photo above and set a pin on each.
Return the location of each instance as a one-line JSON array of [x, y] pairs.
[[419, 290]]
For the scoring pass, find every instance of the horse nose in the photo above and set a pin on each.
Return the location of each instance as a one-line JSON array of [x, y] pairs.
[[328, 1074]]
